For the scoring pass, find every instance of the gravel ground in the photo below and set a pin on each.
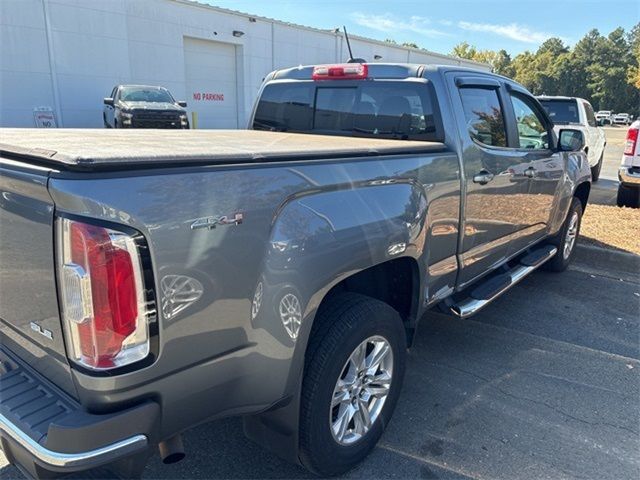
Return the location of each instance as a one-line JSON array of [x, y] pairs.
[[604, 224], [612, 227]]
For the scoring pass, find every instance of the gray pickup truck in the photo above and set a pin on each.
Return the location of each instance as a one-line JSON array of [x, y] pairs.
[[154, 280]]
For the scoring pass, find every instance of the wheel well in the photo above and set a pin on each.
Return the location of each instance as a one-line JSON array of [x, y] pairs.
[[582, 194], [395, 282]]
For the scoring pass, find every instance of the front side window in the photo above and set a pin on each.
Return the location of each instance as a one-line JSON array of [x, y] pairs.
[[591, 118], [376, 109], [532, 133], [483, 114]]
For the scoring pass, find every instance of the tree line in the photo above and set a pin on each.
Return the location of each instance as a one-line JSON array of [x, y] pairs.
[[602, 69]]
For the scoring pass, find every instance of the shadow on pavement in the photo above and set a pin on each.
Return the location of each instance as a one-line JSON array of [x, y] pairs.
[[604, 192]]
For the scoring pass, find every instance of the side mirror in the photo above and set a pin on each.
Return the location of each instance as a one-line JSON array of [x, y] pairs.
[[108, 101], [183, 104], [571, 140]]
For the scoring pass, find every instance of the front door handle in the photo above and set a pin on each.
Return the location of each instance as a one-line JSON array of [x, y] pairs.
[[483, 177], [530, 172]]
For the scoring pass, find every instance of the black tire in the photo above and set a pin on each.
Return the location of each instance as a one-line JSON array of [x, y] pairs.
[[560, 261], [596, 169], [104, 120], [628, 196], [346, 321]]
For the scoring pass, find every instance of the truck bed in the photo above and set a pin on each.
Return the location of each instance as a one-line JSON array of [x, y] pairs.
[[82, 149]]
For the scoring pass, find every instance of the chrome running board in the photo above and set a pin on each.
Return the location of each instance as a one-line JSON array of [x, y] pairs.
[[490, 289]]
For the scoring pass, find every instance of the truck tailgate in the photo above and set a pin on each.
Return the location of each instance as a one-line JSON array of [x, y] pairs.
[[29, 321]]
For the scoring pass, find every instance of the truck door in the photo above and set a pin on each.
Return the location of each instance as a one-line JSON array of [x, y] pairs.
[[595, 135], [542, 165], [495, 178], [109, 110]]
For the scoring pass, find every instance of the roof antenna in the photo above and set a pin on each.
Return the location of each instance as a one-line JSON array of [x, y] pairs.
[[351, 59]]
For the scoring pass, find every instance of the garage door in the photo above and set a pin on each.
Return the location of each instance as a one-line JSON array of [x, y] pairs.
[[210, 73]]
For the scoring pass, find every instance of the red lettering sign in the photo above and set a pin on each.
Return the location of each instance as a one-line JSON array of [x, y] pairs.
[[208, 96]]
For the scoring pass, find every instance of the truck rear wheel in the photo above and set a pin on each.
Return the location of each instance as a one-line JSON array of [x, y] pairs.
[[566, 239], [597, 168], [353, 376]]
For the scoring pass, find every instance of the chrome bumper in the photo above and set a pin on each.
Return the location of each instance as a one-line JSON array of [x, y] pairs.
[[57, 461], [629, 177]]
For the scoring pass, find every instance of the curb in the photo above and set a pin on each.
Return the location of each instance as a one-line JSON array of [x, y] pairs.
[[622, 264]]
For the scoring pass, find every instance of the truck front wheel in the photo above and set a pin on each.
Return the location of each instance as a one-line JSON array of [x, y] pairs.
[[353, 376], [566, 239]]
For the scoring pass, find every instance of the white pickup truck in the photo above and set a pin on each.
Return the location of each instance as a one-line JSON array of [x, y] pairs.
[[629, 171], [578, 113]]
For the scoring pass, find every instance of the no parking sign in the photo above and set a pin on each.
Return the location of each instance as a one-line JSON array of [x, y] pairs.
[[44, 117]]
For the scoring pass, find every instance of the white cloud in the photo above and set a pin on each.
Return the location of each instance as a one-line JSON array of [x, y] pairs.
[[512, 31], [390, 24]]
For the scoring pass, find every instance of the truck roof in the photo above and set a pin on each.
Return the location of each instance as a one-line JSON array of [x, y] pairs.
[[377, 70], [97, 149], [559, 97]]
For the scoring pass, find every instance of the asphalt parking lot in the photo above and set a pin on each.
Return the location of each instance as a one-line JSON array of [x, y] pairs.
[[544, 383]]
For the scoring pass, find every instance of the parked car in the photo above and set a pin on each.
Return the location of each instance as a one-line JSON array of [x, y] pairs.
[[578, 113], [629, 172], [604, 117], [168, 280], [621, 119], [143, 106]]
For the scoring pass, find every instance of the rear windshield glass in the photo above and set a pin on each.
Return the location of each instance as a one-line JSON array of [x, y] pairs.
[[562, 111], [380, 109]]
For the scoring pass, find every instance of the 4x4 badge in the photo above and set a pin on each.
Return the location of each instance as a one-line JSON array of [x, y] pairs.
[[212, 222], [42, 331]]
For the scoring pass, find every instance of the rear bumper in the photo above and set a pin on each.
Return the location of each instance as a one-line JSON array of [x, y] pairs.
[[46, 434], [65, 462], [629, 176]]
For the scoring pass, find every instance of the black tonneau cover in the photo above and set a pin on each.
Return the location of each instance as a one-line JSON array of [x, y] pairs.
[[89, 149]]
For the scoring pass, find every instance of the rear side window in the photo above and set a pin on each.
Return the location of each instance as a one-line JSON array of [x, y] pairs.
[[484, 116], [377, 109], [562, 112]]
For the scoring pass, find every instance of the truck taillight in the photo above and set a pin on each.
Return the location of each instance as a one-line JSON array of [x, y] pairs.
[[104, 306], [347, 71], [632, 140]]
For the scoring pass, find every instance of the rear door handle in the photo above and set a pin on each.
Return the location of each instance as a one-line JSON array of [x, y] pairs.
[[530, 172], [483, 177]]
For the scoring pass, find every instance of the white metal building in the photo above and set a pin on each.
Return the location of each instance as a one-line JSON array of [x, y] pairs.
[[64, 56]]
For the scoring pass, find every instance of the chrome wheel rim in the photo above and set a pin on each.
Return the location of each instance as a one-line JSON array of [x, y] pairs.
[[570, 237], [361, 390]]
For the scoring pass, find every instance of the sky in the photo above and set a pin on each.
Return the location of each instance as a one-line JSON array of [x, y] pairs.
[[438, 25]]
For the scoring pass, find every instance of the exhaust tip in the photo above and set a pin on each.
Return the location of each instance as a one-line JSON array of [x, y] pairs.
[[172, 450], [173, 458]]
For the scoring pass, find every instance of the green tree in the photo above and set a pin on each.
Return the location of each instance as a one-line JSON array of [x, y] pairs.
[[500, 61], [502, 64], [602, 69], [608, 72]]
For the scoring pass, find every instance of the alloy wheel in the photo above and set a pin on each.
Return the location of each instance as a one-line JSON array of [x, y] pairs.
[[361, 390], [570, 237]]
